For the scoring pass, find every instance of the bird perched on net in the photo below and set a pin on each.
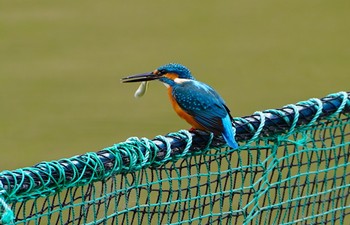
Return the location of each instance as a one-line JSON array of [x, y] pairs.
[[194, 101]]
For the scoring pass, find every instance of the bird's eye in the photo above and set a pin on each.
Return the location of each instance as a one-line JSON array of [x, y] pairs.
[[161, 72]]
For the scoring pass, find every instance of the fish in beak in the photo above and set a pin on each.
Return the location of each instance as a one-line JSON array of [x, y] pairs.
[[143, 78]]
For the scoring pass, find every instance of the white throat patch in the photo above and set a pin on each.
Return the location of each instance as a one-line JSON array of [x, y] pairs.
[[181, 80]]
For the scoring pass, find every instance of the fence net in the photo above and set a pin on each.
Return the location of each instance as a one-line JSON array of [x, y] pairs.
[[292, 167]]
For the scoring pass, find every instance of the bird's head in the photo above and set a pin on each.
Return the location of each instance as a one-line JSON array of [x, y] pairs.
[[170, 74]]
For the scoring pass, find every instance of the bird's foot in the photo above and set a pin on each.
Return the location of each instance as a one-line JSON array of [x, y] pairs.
[[192, 129], [197, 131]]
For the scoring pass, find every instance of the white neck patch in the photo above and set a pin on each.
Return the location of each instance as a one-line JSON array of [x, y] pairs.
[[181, 80]]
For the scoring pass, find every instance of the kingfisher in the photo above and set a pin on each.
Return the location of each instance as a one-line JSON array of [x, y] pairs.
[[194, 101]]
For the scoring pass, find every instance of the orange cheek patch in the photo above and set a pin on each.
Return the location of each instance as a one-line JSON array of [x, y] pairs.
[[171, 76]]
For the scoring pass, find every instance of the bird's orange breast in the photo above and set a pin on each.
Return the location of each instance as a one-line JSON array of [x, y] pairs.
[[182, 113]]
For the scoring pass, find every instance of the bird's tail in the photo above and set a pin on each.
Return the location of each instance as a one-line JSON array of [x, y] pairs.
[[228, 132]]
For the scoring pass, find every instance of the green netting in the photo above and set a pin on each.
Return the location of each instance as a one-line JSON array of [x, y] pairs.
[[292, 167]]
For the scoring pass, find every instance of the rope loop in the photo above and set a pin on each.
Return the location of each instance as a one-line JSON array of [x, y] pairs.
[[260, 128], [168, 148], [184, 135], [345, 101], [318, 105], [295, 119]]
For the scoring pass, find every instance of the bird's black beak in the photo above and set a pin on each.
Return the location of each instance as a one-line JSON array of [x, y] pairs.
[[140, 77]]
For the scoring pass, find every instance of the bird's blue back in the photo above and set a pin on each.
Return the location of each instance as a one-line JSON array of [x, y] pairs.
[[206, 106]]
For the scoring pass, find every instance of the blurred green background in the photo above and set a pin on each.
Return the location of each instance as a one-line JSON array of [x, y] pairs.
[[60, 65]]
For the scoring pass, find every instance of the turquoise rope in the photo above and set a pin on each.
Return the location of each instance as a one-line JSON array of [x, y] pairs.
[[295, 119], [317, 103], [260, 128], [7, 216], [137, 159], [345, 102]]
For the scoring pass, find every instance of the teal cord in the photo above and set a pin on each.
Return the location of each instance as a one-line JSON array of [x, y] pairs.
[[257, 132], [345, 102], [7, 216], [139, 152]]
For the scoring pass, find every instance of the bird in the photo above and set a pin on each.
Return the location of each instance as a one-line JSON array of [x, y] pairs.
[[194, 101]]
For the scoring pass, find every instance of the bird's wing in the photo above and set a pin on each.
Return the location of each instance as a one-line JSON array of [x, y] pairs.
[[203, 103]]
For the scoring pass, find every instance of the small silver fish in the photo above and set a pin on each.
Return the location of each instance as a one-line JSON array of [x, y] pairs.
[[141, 90]]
